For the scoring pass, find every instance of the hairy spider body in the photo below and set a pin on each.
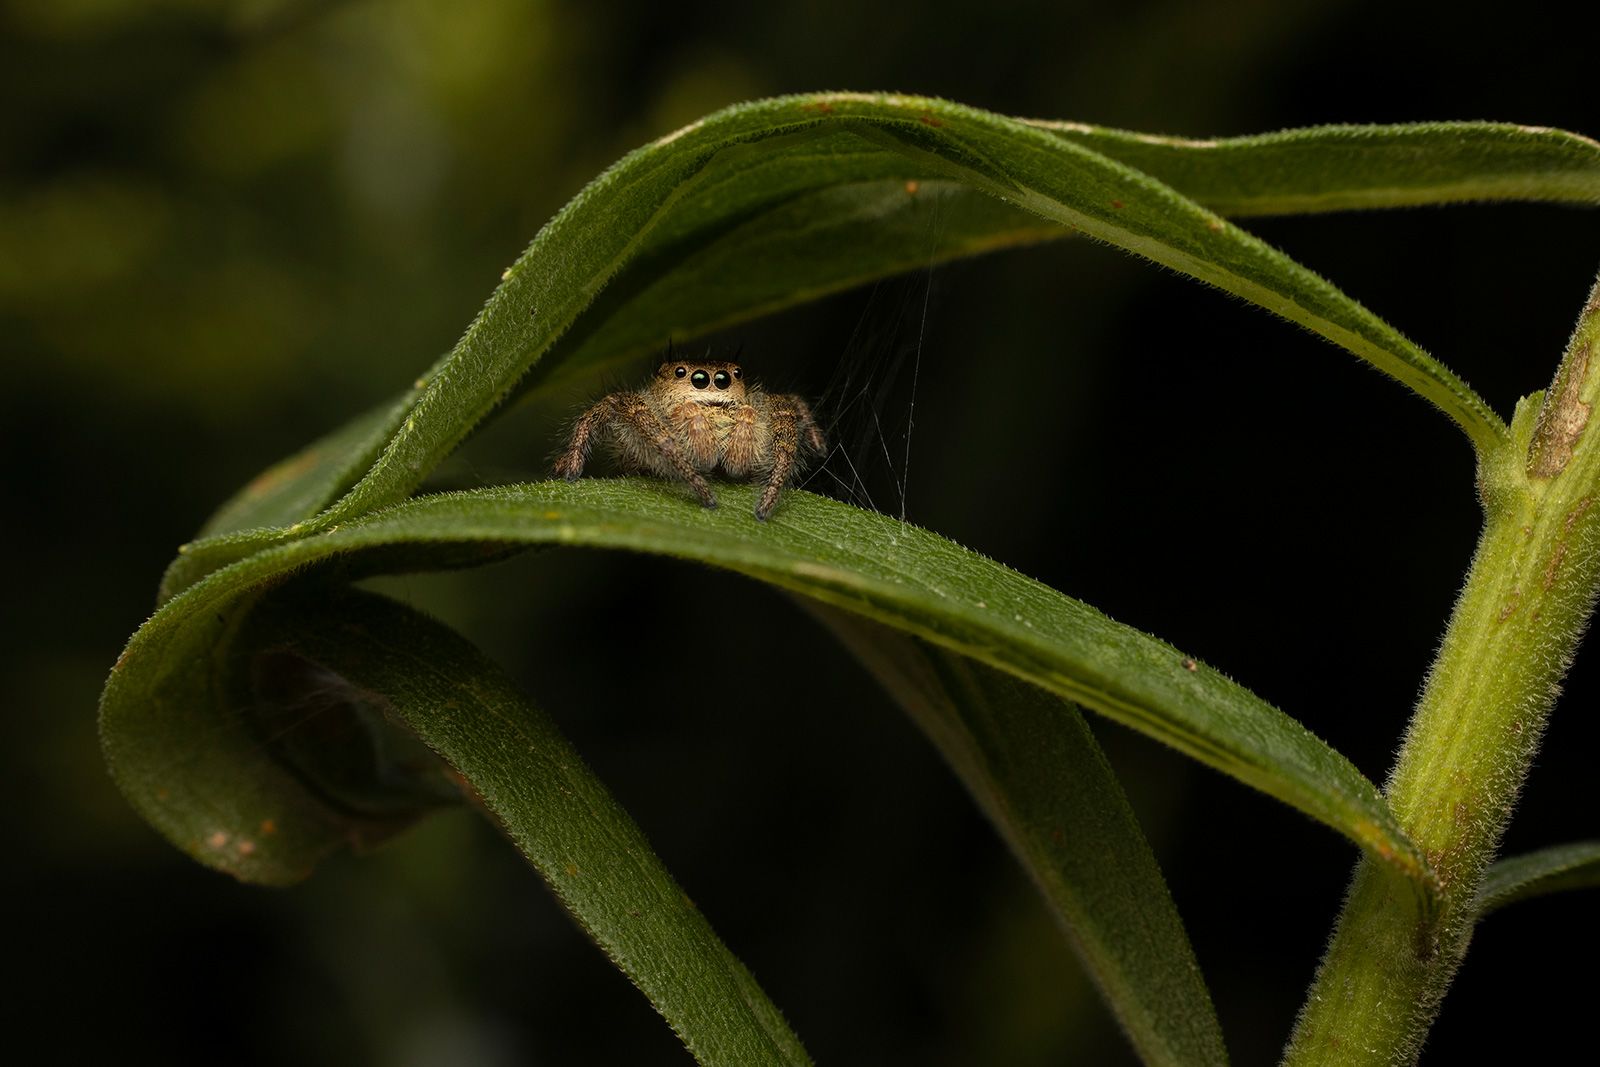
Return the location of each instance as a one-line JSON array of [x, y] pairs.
[[699, 419]]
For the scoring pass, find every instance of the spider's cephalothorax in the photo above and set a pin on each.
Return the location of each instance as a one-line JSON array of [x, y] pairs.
[[700, 418]]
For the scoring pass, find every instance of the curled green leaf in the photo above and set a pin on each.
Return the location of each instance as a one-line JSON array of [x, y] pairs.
[[860, 561]]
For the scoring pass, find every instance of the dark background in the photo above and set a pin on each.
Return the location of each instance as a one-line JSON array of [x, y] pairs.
[[223, 233]]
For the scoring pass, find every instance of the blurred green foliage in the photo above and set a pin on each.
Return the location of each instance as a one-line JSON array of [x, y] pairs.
[[225, 228]]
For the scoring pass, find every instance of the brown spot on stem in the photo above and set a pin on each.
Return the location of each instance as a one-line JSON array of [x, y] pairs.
[[1511, 605], [1562, 417], [1190, 665], [912, 186], [217, 840], [269, 826], [1555, 563], [1436, 863], [821, 105], [1425, 943], [928, 120], [1559, 554], [1118, 204]]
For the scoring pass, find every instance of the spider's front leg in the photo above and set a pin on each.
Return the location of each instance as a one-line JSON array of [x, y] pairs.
[[630, 416], [789, 419]]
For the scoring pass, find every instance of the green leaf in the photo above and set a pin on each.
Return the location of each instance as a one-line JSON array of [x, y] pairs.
[[771, 203], [304, 483], [183, 739], [831, 552], [1549, 870], [1339, 168], [525, 774], [1029, 760]]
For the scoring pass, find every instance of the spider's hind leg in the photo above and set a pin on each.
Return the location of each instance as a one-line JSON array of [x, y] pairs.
[[808, 426]]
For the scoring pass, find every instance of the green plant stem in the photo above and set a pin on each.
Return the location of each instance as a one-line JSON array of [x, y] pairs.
[[1512, 634]]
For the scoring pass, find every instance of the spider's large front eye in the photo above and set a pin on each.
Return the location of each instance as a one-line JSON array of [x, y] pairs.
[[680, 372], [722, 379], [700, 379]]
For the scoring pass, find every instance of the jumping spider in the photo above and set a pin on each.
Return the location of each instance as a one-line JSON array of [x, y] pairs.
[[695, 419]]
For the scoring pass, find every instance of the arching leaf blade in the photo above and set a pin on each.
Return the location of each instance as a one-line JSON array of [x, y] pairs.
[[525, 774], [710, 185], [849, 234], [1556, 869], [1342, 168], [831, 552], [741, 161], [837, 244], [1031, 763]]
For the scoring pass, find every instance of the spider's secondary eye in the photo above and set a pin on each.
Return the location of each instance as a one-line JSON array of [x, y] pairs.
[[737, 373], [681, 371], [722, 379], [700, 379]]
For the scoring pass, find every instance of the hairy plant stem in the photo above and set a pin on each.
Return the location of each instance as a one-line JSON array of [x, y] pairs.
[[1512, 634]]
